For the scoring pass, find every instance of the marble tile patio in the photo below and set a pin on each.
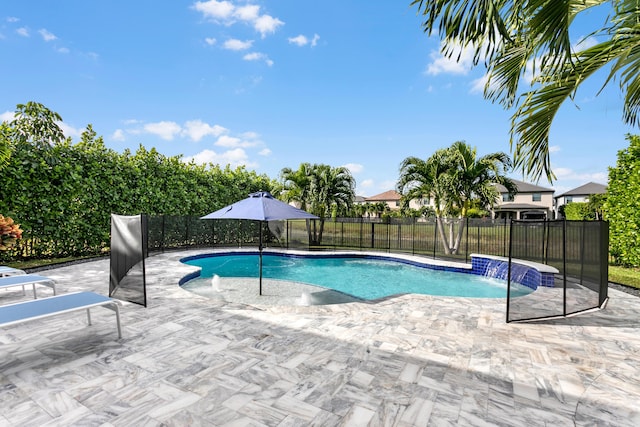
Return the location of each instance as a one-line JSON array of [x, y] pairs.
[[411, 360]]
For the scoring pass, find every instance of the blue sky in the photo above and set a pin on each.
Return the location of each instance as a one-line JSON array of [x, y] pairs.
[[274, 84]]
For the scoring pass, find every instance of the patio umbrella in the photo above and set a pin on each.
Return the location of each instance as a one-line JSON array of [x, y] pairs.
[[260, 206]]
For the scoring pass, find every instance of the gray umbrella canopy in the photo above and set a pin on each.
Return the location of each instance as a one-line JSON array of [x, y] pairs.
[[260, 206]]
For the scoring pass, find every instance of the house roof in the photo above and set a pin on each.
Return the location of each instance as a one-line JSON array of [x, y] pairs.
[[387, 196], [525, 187], [359, 199], [586, 190]]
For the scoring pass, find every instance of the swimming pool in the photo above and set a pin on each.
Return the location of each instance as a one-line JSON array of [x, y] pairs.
[[366, 277]]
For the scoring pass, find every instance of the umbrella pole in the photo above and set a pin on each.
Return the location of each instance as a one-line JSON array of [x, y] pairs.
[[260, 250]]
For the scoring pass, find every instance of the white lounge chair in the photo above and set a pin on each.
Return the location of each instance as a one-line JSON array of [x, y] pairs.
[[28, 279], [10, 271], [26, 311]]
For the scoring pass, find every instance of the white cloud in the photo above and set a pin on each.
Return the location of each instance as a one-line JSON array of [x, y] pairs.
[[266, 24], [554, 148], [257, 56], [7, 116], [566, 174], [235, 44], [233, 158], [248, 13], [210, 41], [234, 142], [46, 35], [265, 152], [217, 10], [23, 31], [562, 172], [197, 129], [226, 13], [460, 62], [165, 130], [250, 135], [62, 50], [228, 141], [365, 186], [302, 40], [478, 85], [118, 135], [354, 167], [70, 131], [298, 40], [12, 19]]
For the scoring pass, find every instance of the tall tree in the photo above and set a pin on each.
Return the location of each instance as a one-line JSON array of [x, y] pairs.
[[474, 179], [296, 184], [34, 124], [515, 37], [320, 189], [454, 177]]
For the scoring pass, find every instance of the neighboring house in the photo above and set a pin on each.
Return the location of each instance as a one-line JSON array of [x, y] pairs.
[[578, 194], [530, 202], [359, 200], [392, 199]]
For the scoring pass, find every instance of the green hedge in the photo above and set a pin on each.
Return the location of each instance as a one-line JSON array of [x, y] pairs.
[[622, 209], [63, 195]]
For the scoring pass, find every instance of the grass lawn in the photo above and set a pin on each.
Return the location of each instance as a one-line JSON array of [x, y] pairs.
[[625, 276], [35, 263]]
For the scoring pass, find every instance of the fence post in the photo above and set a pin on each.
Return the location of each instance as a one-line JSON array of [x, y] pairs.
[[372, 234], [435, 236], [466, 249], [413, 236], [163, 234], [564, 267], [504, 236], [478, 235], [186, 229]]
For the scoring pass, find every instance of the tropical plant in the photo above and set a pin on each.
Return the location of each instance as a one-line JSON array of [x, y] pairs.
[[296, 184], [519, 39], [320, 189], [457, 179], [621, 208]]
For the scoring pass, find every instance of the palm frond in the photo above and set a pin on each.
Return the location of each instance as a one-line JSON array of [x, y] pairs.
[[531, 122]]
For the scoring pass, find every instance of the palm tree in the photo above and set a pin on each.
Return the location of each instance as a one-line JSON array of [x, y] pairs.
[[514, 37], [455, 177], [332, 192], [422, 179], [475, 179], [296, 184], [320, 189]]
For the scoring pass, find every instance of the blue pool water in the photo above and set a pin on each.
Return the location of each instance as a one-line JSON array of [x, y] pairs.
[[362, 277]]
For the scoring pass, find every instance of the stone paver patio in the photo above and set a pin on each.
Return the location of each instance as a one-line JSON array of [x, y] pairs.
[[411, 360]]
